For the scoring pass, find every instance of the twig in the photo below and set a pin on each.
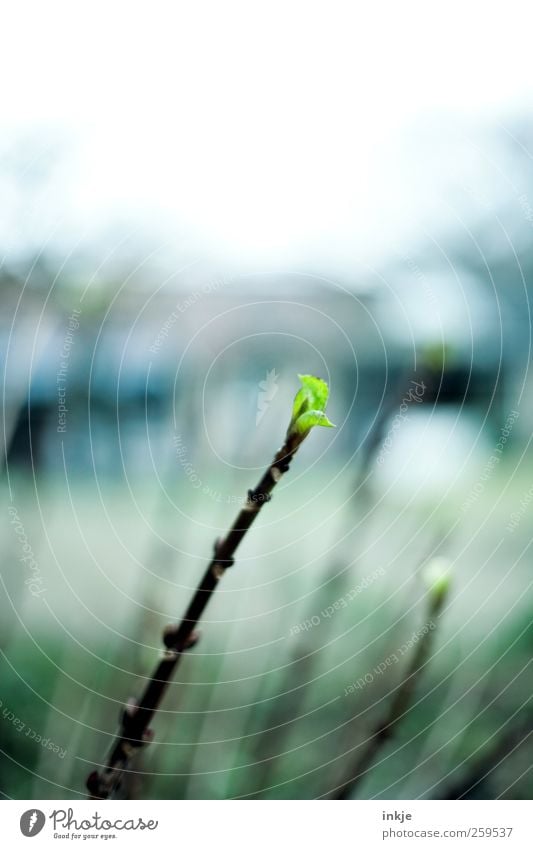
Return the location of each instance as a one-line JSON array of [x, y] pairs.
[[402, 699], [308, 411]]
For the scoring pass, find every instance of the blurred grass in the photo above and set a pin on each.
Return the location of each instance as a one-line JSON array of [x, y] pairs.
[[70, 659]]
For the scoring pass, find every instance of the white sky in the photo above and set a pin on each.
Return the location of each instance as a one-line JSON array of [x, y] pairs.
[[278, 130]]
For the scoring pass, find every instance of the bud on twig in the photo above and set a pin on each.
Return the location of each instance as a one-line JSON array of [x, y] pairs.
[[308, 411]]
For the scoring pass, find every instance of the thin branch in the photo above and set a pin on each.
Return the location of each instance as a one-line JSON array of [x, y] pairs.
[[135, 732], [398, 707]]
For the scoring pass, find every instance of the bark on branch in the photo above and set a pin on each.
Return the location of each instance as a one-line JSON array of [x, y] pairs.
[[135, 731]]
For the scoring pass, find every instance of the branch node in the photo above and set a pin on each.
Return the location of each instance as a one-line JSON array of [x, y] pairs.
[[279, 467], [276, 472], [131, 706], [191, 640], [218, 570], [170, 633], [170, 639], [171, 653], [128, 712], [256, 499], [220, 561]]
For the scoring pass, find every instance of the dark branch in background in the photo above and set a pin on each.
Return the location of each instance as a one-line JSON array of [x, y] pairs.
[[483, 768], [401, 701], [428, 378], [308, 411]]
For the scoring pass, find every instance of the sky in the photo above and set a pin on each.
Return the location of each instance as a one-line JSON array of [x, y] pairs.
[[283, 134]]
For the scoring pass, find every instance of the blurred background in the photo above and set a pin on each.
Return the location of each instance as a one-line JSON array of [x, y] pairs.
[[197, 206]]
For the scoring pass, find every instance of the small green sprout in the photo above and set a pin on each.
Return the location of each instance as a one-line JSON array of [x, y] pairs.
[[309, 406], [437, 578]]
